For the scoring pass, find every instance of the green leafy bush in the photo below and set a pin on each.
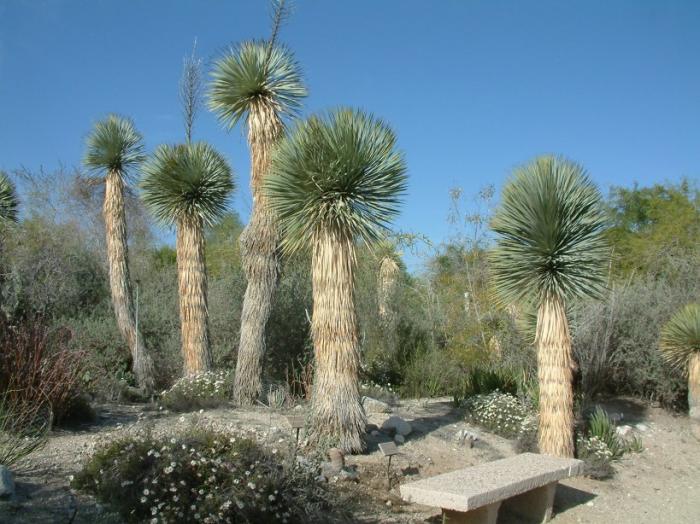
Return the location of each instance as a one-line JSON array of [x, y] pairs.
[[596, 456], [602, 428], [203, 475], [204, 390]]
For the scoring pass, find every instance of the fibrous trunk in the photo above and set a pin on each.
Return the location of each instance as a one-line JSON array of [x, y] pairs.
[[120, 279], [192, 279], [388, 280], [259, 258], [555, 373], [336, 406], [694, 387]]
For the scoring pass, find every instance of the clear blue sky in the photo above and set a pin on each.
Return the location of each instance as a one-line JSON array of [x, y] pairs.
[[472, 88]]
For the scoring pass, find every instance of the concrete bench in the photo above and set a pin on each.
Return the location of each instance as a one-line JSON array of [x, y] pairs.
[[522, 485]]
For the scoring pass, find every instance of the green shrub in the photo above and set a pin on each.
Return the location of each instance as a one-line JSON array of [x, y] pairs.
[[596, 456], [23, 428], [203, 475], [205, 390], [602, 428]]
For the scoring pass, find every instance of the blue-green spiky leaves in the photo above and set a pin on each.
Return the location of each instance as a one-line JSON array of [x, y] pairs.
[[8, 199], [185, 182], [339, 172], [114, 145], [680, 337], [549, 226], [254, 73]]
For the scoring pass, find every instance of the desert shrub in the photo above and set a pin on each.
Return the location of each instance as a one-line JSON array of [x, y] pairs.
[[23, 428], [204, 390], [203, 475], [602, 428], [596, 456], [38, 368], [384, 392], [502, 413]]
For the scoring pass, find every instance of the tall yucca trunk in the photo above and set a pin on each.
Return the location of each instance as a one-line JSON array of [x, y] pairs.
[[554, 370], [259, 258], [192, 279], [120, 279], [388, 272], [694, 387], [336, 406]]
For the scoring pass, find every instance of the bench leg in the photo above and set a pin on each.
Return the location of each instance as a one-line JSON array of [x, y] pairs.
[[535, 505], [484, 515]]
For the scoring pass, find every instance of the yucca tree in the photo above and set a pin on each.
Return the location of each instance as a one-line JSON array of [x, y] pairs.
[[260, 83], [8, 200], [337, 180], [188, 186], [114, 150], [680, 345], [390, 265], [549, 250]]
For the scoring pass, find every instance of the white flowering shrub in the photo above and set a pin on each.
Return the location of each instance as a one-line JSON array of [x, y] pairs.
[[501, 413], [204, 390], [596, 456], [203, 475]]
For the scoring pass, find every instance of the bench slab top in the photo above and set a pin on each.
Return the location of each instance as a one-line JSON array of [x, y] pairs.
[[477, 486]]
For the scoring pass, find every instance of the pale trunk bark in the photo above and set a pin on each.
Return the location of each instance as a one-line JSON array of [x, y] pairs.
[[388, 273], [259, 258], [694, 387], [555, 373], [120, 280], [336, 406], [192, 279]]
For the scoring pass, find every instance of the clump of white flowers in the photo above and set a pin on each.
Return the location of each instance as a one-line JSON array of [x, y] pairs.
[[204, 390], [501, 413], [201, 475]]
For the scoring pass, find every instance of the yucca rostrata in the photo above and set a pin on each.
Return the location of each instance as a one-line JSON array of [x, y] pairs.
[[188, 186], [114, 150], [550, 249], [261, 83], [336, 180], [680, 346]]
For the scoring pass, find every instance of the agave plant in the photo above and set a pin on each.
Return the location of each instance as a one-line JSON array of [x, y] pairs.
[[550, 248], [114, 150], [680, 346], [336, 180], [8, 199], [188, 186], [261, 83]]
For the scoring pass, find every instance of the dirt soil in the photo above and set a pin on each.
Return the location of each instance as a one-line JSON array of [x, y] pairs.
[[659, 485]]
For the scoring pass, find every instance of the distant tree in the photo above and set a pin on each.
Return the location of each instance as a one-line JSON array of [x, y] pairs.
[[188, 186], [336, 180], [550, 248], [680, 345], [260, 82], [114, 148], [652, 226]]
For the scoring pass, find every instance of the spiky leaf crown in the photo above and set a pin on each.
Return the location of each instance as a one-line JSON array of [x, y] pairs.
[[339, 171], [254, 73], [549, 226], [186, 181], [114, 145], [680, 337], [8, 199]]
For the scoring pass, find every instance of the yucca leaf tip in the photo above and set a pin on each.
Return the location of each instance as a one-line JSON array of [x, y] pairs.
[[680, 337], [8, 199]]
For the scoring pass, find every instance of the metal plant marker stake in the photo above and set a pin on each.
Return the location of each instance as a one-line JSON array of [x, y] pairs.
[[388, 449], [296, 422]]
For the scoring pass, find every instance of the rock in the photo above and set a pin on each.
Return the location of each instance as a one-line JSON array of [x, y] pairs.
[[399, 439], [337, 458], [7, 483], [371, 428], [398, 425], [375, 433], [372, 405], [623, 430], [642, 427]]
